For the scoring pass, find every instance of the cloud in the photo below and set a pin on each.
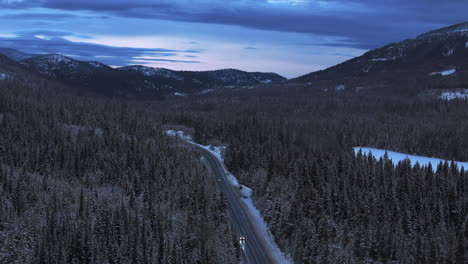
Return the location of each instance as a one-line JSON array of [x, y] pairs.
[[38, 16], [27, 41], [364, 23], [49, 33]]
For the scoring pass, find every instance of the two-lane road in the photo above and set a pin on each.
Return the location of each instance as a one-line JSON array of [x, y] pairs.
[[253, 250]]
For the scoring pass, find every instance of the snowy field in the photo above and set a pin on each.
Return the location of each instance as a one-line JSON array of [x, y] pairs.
[[453, 95], [246, 192], [397, 157], [445, 73], [4, 76]]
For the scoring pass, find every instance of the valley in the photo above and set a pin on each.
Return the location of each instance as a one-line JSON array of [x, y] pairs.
[[99, 164]]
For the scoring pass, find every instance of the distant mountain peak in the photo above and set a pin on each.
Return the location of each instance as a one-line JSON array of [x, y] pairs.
[[138, 80], [55, 58], [152, 72]]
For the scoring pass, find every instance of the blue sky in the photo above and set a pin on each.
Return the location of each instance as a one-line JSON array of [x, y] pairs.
[[290, 37]]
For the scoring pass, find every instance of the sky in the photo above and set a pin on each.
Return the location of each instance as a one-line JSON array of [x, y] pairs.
[[289, 37]]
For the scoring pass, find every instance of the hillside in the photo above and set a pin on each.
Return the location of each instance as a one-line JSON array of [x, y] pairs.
[[437, 59], [136, 80]]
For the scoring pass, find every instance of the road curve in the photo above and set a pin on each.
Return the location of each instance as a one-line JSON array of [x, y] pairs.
[[253, 250]]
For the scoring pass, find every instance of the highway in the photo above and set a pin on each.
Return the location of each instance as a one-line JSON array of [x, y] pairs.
[[253, 250]]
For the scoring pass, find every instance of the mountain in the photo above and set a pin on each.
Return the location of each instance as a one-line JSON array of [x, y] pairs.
[[62, 67], [15, 55], [139, 80], [12, 71], [437, 59], [192, 81], [87, 76]]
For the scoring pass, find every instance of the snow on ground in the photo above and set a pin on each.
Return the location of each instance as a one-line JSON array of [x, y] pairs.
[[206, 91], [340, 87], [179, 134], [246, 192], [216, 151], [379, 59], [453, 95], [96, 64], [397, 157], [4, 76], [180, 94], [445, 73], [265, 232]]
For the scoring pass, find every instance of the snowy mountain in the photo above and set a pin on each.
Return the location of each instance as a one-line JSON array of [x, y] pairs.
[[136, 80], [187, 80], [153, 72], [62, 67], [439, 56]]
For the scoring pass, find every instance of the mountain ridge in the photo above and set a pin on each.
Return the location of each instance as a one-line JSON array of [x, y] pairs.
[[139, 80], [401, 63]]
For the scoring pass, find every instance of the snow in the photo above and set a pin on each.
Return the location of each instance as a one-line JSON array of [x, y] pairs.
[[340, 87], [57, 58], [96, 64], [397, 157], [206, 91], [448, 53], [266, 81], [179, 134], [459, 30], [263, 228], [49, 64], [453, 95], [149, 71], [4, 76], [445, 73], [380, 59], [389, 58], [180, 94], [246, 193]]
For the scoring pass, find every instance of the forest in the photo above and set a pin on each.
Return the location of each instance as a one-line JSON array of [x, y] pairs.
[[86, 180], [94, 180]]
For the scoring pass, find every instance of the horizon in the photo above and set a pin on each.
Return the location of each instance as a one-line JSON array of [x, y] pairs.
[[211, 35]]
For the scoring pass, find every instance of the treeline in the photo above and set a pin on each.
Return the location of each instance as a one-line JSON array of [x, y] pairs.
[[324, 204], [92, 180]]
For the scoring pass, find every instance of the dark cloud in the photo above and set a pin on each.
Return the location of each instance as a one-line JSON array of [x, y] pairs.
[[364, 23], [115, 56], [39, 16], [367, 24]]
